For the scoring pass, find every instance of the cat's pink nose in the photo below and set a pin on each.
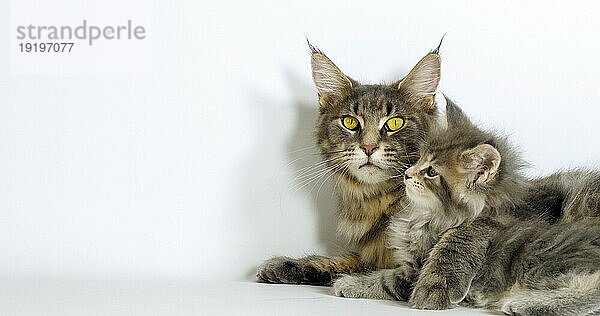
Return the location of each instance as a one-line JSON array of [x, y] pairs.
[[369, 149]]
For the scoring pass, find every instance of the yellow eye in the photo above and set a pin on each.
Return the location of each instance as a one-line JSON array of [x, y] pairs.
[[394, 124], [350, 123]]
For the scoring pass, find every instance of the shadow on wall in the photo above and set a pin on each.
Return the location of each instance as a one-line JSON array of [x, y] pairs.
[[261, 221], [304, 155]]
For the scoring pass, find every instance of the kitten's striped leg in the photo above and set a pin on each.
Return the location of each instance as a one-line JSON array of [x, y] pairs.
[[387, 284], [452, 264], [315, 270]]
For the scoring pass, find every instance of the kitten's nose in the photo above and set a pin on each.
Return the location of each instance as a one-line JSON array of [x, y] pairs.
[[409, 173], [369, 149]]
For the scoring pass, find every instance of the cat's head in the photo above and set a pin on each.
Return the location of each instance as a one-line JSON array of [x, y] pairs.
[[369, 133], [464, 168]]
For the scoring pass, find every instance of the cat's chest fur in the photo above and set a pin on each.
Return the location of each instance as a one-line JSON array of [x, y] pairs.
[[412, 235], [364, 215]]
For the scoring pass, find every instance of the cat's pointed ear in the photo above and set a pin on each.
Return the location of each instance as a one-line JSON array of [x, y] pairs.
[[481, 163], [330, 81], [454, 114], [419, 86]]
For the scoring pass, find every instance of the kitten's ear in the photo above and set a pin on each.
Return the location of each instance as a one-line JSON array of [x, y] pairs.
[[419, 86], [330, 81], [454, 114], [482, 163]]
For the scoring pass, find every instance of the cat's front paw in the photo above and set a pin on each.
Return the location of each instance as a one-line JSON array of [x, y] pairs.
[[350, 286], [292, 271], [280, 270], [431, 294]]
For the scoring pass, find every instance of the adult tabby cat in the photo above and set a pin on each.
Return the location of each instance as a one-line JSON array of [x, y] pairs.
[[368, 134], [465, 236]]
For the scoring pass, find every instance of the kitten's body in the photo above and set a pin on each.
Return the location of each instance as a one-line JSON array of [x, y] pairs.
[[365, 156], [535, 268], [469, 237], [567, 196]]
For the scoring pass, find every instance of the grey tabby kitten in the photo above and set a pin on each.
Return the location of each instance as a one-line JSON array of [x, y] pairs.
[[567, 196], [367, 134], [468, 236]]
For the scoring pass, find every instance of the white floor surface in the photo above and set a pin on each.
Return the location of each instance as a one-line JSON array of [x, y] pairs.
[[106, 297]]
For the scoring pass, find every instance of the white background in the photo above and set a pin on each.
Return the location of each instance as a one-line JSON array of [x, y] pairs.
[[183, 166]]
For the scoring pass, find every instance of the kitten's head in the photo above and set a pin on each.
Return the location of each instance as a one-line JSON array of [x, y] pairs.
[[369, 133], [465, 168]]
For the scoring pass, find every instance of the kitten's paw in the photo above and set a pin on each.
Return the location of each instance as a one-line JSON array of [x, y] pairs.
[[432, 298], [280, 270], [437, 291], [523, 309], [351, 287], [431, 295]]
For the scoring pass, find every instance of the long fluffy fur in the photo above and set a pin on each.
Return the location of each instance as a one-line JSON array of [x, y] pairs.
[[508, 255]]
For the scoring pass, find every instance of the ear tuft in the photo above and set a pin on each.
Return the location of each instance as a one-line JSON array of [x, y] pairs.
[[312, 48], [419, 86], [482, 164], [437, 49], [330, 81]]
